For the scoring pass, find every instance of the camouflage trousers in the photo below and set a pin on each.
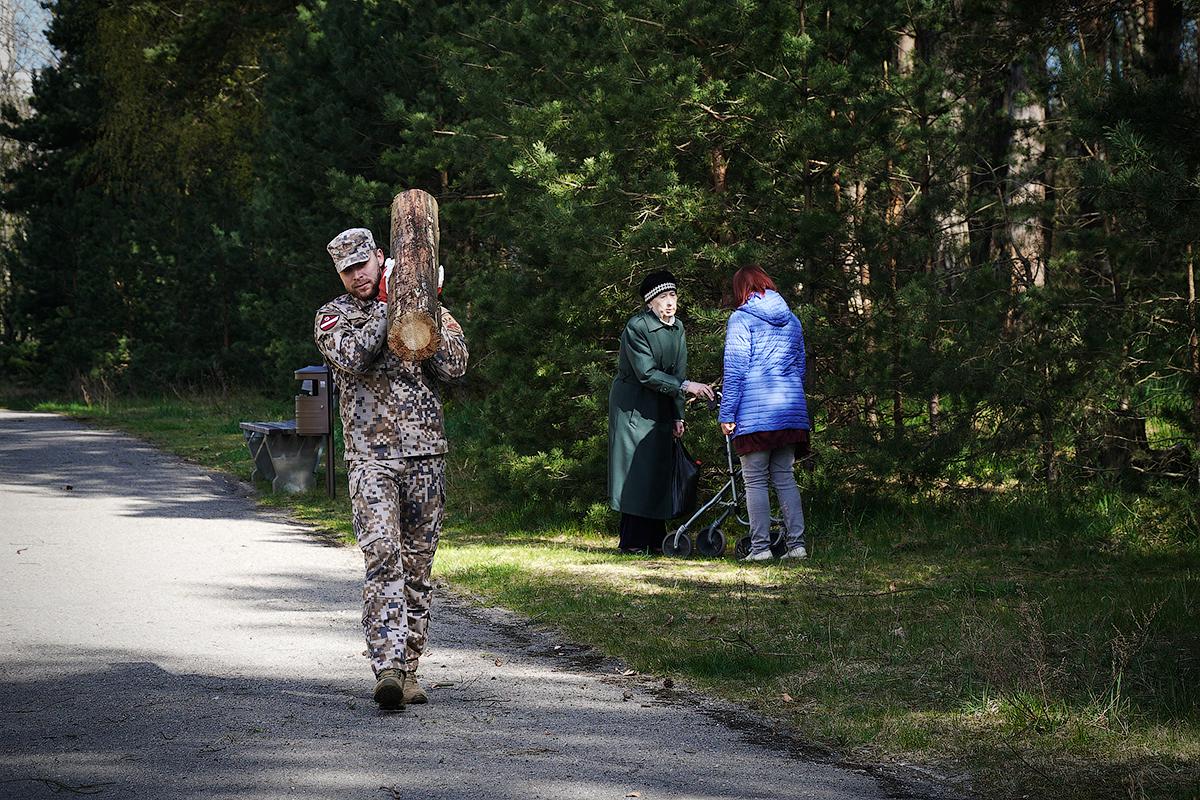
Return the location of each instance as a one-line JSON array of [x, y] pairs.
[[397, 506]]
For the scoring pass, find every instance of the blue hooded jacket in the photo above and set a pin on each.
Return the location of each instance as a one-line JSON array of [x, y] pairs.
[[764, 367]]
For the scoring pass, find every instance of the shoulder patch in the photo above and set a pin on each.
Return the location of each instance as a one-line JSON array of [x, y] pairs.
[[328, 322]]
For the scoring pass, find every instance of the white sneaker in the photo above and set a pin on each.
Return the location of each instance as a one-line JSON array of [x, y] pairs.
[[796, 552], [762, 555]]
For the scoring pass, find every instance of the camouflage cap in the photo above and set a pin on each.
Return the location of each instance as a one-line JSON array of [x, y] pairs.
[[350, 247]]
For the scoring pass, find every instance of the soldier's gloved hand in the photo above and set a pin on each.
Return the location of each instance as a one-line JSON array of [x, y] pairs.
[[383, 279]]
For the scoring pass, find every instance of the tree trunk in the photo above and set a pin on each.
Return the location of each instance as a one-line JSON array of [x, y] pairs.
[[414, 321], [857, 272], [857, 275], [719, 165], [1164, 36], [1193, 341], [1049, 473], [14, 91], [985, 183], [906, 51], [948, 227], [1025, 191]]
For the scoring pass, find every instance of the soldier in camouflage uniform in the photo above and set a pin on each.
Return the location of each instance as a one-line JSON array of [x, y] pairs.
[[395, 455]]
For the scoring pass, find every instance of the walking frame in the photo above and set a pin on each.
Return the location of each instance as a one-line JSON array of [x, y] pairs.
[[710, 540]]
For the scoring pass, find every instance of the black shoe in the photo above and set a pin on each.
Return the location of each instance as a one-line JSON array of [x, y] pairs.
[[389, 689]]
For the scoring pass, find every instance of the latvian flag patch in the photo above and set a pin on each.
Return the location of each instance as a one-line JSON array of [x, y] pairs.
[[327, 322]]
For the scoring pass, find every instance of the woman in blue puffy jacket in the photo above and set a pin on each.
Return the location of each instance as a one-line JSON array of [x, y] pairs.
[[763, 406]]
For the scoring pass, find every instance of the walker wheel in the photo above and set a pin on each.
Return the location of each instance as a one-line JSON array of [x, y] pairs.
[[677, 546], [778, 541], [742, 548], [710, 542]]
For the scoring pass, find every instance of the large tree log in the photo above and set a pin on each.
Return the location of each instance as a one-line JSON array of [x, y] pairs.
[[414, 322]]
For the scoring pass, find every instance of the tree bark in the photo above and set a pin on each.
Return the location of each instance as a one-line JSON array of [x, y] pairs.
[[719, 166], [1025, 190], [1193, 341], [1049, 471], [1164, 36], [414, 321], [857, 275], [906, 48]]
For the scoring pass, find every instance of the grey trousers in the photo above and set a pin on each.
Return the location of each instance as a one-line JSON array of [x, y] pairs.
[[777, 465]]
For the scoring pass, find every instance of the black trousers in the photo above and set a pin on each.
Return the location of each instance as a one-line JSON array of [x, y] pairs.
[[642, 533]]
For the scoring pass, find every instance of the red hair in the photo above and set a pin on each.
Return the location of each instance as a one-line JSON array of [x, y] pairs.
[[750, 280]]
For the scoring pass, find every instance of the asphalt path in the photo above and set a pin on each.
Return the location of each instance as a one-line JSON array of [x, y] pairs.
[[161, 637]]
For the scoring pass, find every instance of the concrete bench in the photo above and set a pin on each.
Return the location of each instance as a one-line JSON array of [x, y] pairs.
[[282, 456]]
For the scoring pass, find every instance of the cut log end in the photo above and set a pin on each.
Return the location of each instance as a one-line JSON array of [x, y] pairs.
[[413, 336]]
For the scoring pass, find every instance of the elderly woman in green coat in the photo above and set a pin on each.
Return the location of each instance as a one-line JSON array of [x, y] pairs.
[[645, 412]]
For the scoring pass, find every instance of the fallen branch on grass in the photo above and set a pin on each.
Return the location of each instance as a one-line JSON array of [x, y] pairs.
[[744, 643], [884, 593]]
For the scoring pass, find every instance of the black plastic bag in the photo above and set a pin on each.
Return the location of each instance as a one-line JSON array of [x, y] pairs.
[[685, 477]]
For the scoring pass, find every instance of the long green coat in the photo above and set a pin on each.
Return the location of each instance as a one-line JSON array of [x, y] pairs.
[[643, 404]]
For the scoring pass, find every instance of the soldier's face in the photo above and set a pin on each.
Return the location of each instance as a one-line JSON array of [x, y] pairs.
[[362, 279]]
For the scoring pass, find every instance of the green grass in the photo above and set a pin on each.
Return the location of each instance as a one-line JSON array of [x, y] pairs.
[[1047, 645]]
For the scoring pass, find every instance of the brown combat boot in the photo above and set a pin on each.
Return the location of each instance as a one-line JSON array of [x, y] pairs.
[[390, 689], [414, 693]]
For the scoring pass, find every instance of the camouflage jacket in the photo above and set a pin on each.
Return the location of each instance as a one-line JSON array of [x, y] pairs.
[[390, 408]]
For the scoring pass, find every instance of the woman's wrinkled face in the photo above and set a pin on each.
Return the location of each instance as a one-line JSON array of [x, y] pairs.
[[664, 306]]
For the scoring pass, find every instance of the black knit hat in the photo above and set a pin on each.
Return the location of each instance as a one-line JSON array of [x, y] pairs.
[[656, 283]]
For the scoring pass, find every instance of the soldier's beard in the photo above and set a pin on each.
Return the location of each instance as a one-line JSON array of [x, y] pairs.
[[367, 292]]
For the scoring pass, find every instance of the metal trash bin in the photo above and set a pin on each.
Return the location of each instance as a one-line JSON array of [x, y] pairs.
[[314, 412], [312, 404]]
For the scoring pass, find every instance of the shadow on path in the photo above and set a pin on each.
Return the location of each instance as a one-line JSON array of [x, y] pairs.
[[45, 453]]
